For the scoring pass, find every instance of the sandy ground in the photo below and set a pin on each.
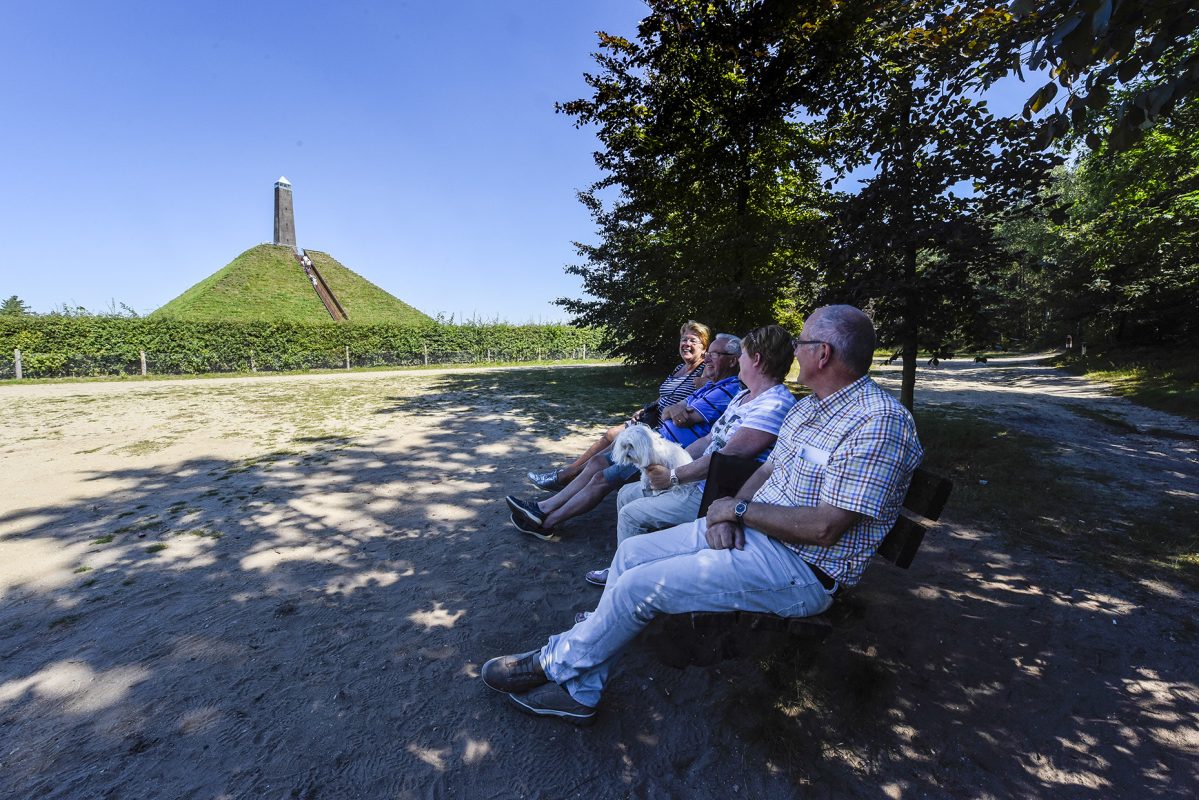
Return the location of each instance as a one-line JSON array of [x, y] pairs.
[[285, 587]]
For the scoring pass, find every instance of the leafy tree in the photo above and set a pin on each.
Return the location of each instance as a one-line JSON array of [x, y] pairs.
[[1119, 249], [1093, 47], [708, 207], [896, 85], [14, 306]]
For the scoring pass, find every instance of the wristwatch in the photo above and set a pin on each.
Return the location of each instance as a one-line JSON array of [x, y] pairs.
[[739, 511], [674, 479]]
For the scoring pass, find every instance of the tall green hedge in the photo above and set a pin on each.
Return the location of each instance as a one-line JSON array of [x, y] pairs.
[[61, 345]]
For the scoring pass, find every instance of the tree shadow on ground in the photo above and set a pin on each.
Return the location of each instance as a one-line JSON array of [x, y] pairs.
[[312, 629], [985, 674]]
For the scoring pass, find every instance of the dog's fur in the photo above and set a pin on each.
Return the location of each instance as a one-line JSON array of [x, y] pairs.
[[642, 446]]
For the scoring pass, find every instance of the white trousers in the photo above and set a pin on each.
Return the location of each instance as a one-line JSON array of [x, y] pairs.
[[673, 572], [639, 512]]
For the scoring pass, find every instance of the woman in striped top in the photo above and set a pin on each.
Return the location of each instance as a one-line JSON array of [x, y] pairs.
[[679, 384]]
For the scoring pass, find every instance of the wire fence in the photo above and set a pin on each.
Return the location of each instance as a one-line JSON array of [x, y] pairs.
[[18, 364]]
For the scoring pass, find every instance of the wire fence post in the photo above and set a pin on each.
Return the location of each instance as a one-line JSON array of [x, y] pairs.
[[253, 366], [425, 349], [347, 356], [142, 353], [584, 352], [16, 363]]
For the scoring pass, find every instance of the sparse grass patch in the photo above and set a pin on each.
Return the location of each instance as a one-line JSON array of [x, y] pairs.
[[1166, 379], [103, 539], [154, 548], [1013, 483], [1107, 420], [149, 523], [82, 569], [203, 533], [560, 401], [65, 621], [144, 447]]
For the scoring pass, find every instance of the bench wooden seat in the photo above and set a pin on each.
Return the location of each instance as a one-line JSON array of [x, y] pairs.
[[703, 638]]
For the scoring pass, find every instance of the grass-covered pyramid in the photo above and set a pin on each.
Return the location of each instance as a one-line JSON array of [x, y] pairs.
[[266, 283]]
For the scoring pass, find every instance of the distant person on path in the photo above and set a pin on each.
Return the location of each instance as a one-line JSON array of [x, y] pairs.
[[806, 523], [679, 384]]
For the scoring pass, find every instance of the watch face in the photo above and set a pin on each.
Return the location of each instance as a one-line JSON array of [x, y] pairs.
[[739, 511]]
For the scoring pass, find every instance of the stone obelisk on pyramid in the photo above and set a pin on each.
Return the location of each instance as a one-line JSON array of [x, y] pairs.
[[285, 221]]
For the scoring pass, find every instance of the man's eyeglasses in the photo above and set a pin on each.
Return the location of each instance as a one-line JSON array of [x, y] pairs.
[[796, 342], [711, 352]]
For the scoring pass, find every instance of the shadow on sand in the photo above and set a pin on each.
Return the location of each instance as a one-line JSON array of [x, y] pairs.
[[314, 629]]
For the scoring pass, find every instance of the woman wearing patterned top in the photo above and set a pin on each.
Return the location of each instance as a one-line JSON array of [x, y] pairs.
[[749, 428], [678, 386]]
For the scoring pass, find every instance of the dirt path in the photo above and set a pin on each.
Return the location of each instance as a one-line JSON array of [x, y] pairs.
[[285, 587], [1150, 451]]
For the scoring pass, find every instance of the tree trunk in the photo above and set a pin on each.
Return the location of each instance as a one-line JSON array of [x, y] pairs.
[[910, 326], [910, 330]]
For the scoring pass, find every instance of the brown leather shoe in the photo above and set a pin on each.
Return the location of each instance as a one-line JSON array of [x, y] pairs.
[[517, 673]]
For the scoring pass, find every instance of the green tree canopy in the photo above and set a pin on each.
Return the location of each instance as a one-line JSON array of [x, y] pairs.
[[709, 204], [1146, 51], [14, 306], [896, 87], [1115, 250]]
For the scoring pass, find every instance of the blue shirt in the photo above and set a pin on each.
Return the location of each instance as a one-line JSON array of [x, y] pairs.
[[710, 400]]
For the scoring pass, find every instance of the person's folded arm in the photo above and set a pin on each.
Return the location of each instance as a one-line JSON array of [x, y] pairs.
[[822, 525]]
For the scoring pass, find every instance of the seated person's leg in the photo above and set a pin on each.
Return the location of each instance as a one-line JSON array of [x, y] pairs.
[[675, 572], [595, 464], [571, 470], [655, 512], [628, 493], [599, 486], [579, 659]]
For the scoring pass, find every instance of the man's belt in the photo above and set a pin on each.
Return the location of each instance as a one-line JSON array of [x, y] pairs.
[[828, 583]]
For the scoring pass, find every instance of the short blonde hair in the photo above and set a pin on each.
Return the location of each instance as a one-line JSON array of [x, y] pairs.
[[699, 329]]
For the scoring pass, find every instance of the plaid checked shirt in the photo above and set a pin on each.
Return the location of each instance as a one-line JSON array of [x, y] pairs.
[[856, 450]]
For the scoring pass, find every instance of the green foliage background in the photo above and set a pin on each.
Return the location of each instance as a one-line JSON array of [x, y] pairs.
[[90, 345]]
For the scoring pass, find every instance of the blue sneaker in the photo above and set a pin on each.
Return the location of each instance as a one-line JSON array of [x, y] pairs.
[[525, 508], [525, 526]]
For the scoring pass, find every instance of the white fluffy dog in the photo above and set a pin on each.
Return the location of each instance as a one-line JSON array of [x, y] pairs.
[[642, 446]]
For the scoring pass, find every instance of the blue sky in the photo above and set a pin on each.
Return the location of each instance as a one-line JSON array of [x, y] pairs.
[[142, 140]]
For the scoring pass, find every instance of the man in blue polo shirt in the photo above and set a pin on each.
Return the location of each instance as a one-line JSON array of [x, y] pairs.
[[684, 423]]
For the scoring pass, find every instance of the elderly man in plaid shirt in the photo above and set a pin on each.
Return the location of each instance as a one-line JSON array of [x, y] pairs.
[[806, 523]]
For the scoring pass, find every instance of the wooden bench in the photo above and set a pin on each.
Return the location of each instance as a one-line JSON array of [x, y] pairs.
[[703, 638]]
